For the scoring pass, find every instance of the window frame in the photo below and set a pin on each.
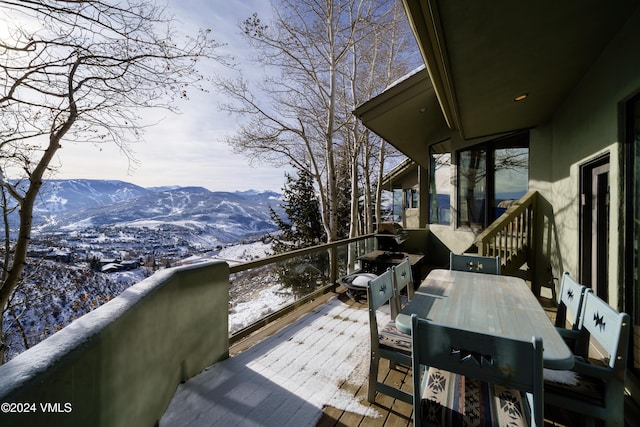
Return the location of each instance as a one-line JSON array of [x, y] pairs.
[[519, 140]]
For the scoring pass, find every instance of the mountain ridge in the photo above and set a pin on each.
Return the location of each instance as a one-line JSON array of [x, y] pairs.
[[82, 203]]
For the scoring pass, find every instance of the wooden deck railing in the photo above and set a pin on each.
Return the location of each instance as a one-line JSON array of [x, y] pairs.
[[343, 253], [511, 236]]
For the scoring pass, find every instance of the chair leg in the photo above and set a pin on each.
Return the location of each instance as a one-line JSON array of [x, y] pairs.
[[374, 364]]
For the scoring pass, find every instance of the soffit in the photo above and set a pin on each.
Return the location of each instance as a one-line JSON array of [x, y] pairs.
[[407, 115], [481, 55]]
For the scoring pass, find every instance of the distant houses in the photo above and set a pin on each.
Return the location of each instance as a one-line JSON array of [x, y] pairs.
[[53, 254], [104, 265], [115, 264]]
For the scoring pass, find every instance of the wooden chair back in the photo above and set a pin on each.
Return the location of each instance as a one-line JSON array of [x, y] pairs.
[[570, 301], [610, 329], [494, 359], [380, 291], [402, 278], [386, 342], [474, 263], [598, 391]]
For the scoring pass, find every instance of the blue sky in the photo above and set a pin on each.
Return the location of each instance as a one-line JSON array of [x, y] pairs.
[[186, 149]]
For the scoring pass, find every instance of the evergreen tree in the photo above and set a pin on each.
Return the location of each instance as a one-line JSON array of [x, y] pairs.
[[302, 226]]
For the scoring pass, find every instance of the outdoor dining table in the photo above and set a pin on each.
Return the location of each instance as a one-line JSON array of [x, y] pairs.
[[489, 304]]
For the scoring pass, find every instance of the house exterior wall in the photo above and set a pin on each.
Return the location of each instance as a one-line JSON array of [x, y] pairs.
[[585, 127], [411, 217]]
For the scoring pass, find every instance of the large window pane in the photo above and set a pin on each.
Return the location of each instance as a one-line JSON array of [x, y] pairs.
[[511, 167], [491, 178], [397, 205], [472, 187], [440, 188]]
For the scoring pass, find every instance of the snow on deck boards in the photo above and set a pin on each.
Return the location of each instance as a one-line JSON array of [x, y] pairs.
[[286, 379]]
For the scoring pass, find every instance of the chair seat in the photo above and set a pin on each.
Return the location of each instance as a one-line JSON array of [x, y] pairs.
[[585, 388], [390, 336], [455, 400]]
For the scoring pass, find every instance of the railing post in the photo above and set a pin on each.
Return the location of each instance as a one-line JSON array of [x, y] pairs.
[[333, 264], [532, 244]]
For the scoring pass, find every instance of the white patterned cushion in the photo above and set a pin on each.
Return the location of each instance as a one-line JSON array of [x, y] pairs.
[[455, 400], [390, 336]]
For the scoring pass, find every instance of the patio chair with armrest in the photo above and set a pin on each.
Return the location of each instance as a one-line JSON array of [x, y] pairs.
[[571, 299], [596, 390], [386, 341], [475, 379], [402, 278], [474, 263]]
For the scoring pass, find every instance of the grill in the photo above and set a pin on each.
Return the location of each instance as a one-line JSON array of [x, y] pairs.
[[391, 251], [391, 237]]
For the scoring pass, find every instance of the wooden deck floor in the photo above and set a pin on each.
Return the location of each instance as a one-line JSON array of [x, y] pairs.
[[393, 412], [397, 413]]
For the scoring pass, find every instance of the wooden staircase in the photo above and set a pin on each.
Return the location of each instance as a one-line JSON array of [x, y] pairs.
[[512, 237]]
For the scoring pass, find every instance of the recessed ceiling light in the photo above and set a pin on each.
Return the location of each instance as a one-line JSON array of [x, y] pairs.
[[521, 97], [423, 109]]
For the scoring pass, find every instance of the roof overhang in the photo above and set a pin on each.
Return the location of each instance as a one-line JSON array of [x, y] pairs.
[[480, 56], [407, 115], [396, 176]]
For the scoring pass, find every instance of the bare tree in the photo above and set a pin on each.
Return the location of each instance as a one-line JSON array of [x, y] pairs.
[[301, 114], [377, 60], [305, 45], [80, 71]]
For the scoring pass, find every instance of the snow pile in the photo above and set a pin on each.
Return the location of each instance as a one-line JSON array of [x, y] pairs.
[[263, 303]]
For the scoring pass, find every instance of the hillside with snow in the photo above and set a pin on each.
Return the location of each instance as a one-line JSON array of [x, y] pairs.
[[53, 295], [210, 217], [93, 239]]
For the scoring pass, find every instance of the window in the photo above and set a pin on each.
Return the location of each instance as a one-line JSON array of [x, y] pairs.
[[472, 185], [439, 188], [397, 205], [411, 198], [491, 177]]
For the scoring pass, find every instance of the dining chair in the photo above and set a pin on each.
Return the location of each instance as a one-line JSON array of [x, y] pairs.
[[474, 263], [571, 299], [402, 278], [461, 377], [597, 388], [386, 341]]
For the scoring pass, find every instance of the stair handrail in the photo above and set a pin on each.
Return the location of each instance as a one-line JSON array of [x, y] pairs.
[[499, 227]]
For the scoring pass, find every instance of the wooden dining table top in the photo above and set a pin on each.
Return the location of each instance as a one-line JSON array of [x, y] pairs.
[[489, 304]]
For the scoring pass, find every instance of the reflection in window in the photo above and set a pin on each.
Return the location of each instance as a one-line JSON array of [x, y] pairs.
[[491, 178], [411, 198], [397, 205], [439, 188], [472, 195], [511, 178]]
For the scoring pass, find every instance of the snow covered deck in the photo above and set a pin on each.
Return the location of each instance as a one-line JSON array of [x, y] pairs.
[[312, 372], [318, 363]]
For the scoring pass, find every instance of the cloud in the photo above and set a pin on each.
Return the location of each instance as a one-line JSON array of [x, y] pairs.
[[187, 148]]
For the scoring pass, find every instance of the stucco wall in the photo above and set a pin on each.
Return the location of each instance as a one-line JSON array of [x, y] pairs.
[[585, 127], [120, 364]]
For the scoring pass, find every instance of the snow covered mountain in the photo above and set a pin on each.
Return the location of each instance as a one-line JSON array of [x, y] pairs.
[[225, 216]]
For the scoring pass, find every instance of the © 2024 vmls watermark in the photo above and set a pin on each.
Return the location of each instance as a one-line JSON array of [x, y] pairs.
[[32, 408]]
